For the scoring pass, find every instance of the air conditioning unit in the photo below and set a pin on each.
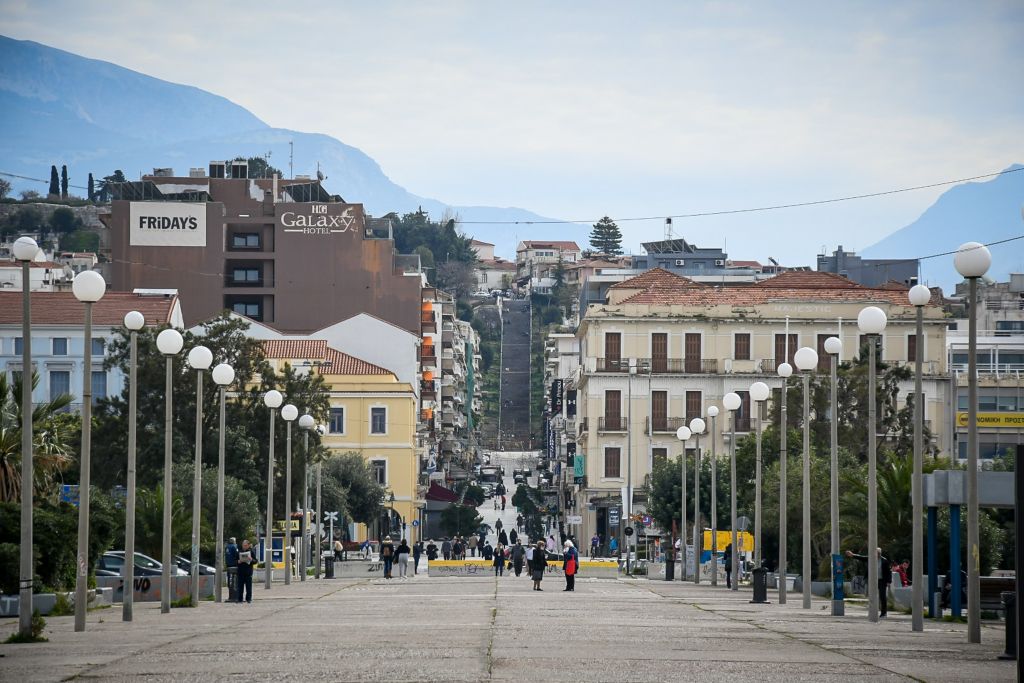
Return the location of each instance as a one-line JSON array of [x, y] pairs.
[[719, 262], [680, 262], [197, 172]]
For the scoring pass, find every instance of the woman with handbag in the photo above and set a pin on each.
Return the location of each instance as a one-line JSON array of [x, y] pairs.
[[570, 565], [538, 565]]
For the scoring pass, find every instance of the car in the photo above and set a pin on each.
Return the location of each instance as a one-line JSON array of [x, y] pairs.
[[185, 565], [111, 563], [481, 293], [488, 490], [519, 479]]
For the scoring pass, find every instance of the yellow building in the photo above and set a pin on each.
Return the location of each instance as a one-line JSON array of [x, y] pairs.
[[373, 414]]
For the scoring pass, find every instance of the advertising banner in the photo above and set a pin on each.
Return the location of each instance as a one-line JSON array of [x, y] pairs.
[[167, 224]]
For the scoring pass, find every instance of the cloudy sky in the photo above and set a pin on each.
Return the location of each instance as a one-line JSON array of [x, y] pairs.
[[576, 110]]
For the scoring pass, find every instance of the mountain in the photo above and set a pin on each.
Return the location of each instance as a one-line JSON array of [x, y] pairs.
[[983, 212], [61, 108]]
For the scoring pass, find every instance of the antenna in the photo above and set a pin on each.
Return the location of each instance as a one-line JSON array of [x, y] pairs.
[[291, 160], [668, 229]]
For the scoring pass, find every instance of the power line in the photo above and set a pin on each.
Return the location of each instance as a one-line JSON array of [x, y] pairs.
[[38, 180], [774, 207]]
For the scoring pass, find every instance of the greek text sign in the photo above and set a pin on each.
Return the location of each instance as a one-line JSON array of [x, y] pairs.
[[994, 420], [167, 224]]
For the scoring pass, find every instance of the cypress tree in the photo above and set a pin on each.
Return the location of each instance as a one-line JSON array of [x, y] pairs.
[[54, 182], [91, 189], [64, 181]]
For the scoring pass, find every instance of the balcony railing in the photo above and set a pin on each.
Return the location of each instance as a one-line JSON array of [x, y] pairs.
[[583, 427], [664, 425], [230, 281], [428, 388], [689, 366], [428, 355], [613, 365], [611, 424]]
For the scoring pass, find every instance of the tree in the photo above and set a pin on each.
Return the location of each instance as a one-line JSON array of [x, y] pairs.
[[63, 221], [460, 519], [149, 522], [441, 239], [241, 505], [456, 278], [54, 182], [349, 487], [28, 195], [108, 184], [81, 241], [606, 237], [91, 187], [5, 188], [64, 181], [259, 167]]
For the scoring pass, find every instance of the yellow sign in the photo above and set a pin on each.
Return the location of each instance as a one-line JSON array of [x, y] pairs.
[[744, 539], [999, 420]]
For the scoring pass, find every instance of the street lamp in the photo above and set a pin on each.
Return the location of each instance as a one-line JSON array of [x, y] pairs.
[[806, 359], [169, 343], [272, 399], [289, 413], [133, 321], [759, 393], [306, 423], [713, 413], [697, 427], [919, 297], [972, 260], [871, 321], [683, 434], [732, 403], [833, 347], [199, 358], [25, 250], [785, 370], [223, 375], [88, 287], [320, 430]]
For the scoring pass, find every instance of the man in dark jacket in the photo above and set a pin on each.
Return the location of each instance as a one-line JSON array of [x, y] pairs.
[[884, 579], [246, 560], [231, 563], [518, 555]]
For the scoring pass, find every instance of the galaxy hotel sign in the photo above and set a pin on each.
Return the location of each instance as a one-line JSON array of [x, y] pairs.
[[167, 224]]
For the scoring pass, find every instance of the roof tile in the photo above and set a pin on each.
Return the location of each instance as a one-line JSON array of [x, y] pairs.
[[62, 308]]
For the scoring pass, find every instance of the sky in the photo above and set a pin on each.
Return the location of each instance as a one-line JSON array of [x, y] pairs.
[[579, 110]]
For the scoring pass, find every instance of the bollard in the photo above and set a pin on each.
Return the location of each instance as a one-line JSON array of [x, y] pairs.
[[670, 568], [760, 577], [937, 599], [328, 567], [1010, 610]]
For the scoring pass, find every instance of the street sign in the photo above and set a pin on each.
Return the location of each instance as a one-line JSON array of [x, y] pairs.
[[69, 494], [646, 519], [629, 531], [613, 516], [574, 519], [415, 522], [331, 516]]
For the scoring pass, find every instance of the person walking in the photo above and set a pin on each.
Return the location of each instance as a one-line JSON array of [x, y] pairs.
[[570, 564], [499, 560], [431, 551], [457, 548], [551, 545], [518, 555], [884, 579], [595, 543], [231, 561], [246, 560], [613, 547], [483, 540], [519, 523], [529, 558], [538, 565], [417, 551], [488, 552], [402, 557], [339, 550], [471, 544], [498, 526], [503, 502], [727, 558], [513, 537], [503, 538], [446, 549], [387, 555]]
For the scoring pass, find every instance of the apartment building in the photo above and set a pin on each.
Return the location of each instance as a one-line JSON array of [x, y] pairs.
[[663, 348], [536, 259]]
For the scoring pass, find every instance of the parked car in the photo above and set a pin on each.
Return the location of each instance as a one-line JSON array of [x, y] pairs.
[[481, 293], [488, 490], [185, 565], [111, 563], [519, 479]]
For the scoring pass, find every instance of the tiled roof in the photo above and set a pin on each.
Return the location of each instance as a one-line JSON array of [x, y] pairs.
[[52, 265], [483, 244], [62, 308], [658, 278], [317, 349], [539, 244], [496, 264], [744, 264], [808, 279]]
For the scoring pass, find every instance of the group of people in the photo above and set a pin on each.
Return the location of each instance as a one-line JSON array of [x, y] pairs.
[[239, 562]]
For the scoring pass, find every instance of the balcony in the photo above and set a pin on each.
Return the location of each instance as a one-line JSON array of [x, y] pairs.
[[679, 366], [664, 425], [612, 365], [230, 281], [584, 427], [428, 356], [428, 389], [427, 322], [611, 424]]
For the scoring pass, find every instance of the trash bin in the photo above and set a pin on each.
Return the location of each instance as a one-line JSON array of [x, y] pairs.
[[328, 567], [760, 575], [1009, 600], [670, 569], [232, 573]]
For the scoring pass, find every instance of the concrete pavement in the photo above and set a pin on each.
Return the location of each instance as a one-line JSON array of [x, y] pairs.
[[481, 629]]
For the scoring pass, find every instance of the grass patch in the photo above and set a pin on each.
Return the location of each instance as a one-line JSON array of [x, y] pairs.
[[63, 607], [35, 634], [951, 619], [183, 602]]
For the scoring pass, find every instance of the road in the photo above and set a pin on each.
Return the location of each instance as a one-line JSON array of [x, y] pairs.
[[514, 406]]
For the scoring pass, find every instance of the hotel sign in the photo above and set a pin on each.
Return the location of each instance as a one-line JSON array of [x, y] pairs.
[[1004, 420], [167, 224], [317, 219]]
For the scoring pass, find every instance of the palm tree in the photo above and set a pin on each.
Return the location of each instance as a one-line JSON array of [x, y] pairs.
[[52, 431]]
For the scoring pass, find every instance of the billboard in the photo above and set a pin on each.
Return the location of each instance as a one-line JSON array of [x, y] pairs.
[[167, 224]]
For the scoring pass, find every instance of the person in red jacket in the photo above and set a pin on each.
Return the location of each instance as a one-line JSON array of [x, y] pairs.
[[570, 564]]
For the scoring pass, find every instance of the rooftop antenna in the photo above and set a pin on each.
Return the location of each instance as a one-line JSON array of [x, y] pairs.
[[668, 229], [291, 160], [266, 164]]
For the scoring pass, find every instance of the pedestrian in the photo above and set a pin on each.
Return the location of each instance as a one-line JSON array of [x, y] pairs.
[[471, 544], [503, 538], [387, 555], [884, 579], [727, 558], [570, 564], [456, 548], [231, 560], [495, 501], [246, 560], [431, 551], [366, 548], [529, 558], [902, 569], [498, 526], [446, 549], [519, 523], [503, 502], [483, 539], [513, 537], [488, 552], [518, 555], [595, 543], [538, 565], [551, 544], [339, 549], [613, 547], [402, 557], [499, 560], [417, 551]]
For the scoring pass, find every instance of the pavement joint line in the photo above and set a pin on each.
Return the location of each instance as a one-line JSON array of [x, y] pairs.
[[490, 637], [87, 672]]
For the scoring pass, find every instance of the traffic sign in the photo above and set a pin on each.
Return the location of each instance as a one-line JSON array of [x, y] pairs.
[[629, 531], [574, 519], [646, 520], [415, 522], [331, 516]]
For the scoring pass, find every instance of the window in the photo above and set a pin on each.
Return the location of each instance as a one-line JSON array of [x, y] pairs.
[[612, 462], [380, 471], [612, 347], [693, 405], [613, 410], [378, 420], [824, 358], [659, 352], [691, 352], [99, 385], [245, 240], [60, 346], [912, 347], [659, 455], [99, 347], [659, 411], [862, 342], [60, 383], [246, 275], [17, 346], [250, 310], [741, 346], [780, 349], [336, 423]]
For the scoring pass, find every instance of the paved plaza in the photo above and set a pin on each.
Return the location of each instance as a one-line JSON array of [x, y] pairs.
[[481, 629]]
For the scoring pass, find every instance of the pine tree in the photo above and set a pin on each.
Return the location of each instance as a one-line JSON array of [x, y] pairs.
[[54, 182], [91, 189], [64, 181], [606, 237]]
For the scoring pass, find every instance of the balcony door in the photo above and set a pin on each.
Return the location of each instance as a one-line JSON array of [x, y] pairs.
[[659, 352], [612, 350], [613, 410], [692, 351], [659, 411]]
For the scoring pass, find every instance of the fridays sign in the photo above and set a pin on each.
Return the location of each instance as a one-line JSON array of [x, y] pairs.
[[167, 224]]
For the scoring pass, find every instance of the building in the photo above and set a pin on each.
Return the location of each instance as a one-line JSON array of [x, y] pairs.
[[372, 413], [283, 252], [484, 250], [537, 259], [44, 276], [663, 348], [57, 338], [869, 272], [494, 274], [77, 261]]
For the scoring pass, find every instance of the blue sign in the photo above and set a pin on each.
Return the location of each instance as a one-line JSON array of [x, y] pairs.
[[415, 522], [69, 494], [837, 577]]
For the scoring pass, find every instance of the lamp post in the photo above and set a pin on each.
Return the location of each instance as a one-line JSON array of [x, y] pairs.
[[872, 321], [759, 393], [306, 423], [272, 399], [223, 375], [697, 427], [320, 430], [713, 413], [732, 403], [169, 343], [134, 321], [289, 413], [25, 250], [88, 287], [972, 260], [833, 347], [806, 360], [919, 297], [200, 358], [785, 370], [683, 434]]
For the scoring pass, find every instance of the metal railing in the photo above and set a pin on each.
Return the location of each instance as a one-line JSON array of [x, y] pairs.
[[612, 365], [611, 424], [663, 425]]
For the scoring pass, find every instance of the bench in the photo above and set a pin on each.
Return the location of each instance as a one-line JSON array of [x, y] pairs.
[[992, 588]]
